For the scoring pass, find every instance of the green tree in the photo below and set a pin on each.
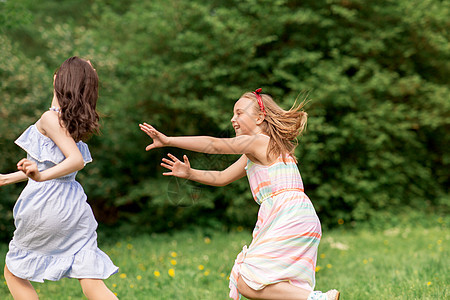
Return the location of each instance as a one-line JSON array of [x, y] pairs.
[[376, 74]]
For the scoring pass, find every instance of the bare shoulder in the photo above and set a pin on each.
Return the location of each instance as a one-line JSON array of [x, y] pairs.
[[49, 121], [258, 147]]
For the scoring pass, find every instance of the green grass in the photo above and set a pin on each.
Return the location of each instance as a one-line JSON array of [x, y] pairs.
[[409, 262]]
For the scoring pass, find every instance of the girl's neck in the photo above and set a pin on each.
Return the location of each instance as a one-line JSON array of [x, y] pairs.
[[55, 102]]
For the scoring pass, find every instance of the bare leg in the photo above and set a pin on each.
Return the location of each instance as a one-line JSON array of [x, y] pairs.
[[19, 288], [95, 289], [281, 290]]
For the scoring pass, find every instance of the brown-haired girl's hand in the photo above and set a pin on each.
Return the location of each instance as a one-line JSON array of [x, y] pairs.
[[159, 139], [177, 167], [29, 168]]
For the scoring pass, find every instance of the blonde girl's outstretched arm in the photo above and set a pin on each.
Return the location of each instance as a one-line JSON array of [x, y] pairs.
[[245, 144], [10, 178], [183, 169], [50, 126]]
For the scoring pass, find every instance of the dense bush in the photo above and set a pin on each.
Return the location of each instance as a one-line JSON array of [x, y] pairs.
[[376, 74]]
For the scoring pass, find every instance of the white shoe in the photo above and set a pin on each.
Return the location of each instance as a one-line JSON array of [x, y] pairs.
[[332, 295]]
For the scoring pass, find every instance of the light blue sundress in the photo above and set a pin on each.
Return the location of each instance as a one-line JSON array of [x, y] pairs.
[[55, 234]]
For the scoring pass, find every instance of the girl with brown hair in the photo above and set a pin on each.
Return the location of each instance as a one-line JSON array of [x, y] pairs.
[[281, 259], [55, 234]]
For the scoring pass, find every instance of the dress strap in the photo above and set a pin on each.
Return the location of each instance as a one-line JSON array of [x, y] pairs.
[[54, 108]]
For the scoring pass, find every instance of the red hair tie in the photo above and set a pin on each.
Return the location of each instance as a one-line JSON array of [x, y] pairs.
[[257, 93]]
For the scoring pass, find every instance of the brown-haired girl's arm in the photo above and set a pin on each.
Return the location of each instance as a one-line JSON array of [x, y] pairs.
[[246, 144], [49, 125], [216, 178], [10, 178]]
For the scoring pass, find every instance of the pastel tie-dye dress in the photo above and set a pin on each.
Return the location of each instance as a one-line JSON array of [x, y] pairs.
[[287, 234]]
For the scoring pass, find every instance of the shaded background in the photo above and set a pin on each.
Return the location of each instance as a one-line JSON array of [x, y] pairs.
[[376, 73]]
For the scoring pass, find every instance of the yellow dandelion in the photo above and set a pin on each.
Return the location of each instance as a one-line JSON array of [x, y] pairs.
[[123, 275], [118, 244], [115, 294], [222, 275], [365, 261], [173, 254], [240, 228], [318, 268], [329, 266], [206, 273], [173, 262], [114, 285], [428, 283], [171, 272], [129, 246], [131, 286], [156, 273], [439, 242], [340, 221], [207, 240], [201, 267], [322, 255], [139, 277]]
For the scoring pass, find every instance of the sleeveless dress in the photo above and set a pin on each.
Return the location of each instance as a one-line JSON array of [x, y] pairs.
[[287, 234], [55, 233]]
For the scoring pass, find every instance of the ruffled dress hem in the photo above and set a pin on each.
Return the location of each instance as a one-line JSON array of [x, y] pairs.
[[36, 267]]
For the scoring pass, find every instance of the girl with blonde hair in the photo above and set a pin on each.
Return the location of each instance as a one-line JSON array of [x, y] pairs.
[[281, 259]]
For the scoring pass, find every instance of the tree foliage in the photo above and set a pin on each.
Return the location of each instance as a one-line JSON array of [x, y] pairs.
[[376, 74]]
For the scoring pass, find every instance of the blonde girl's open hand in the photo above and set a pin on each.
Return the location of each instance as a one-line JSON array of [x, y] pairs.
[[159, 139], [29, 168], [177, 167]]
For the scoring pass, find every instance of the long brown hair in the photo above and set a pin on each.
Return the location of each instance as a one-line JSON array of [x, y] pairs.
[[76, 87], [283, 127]]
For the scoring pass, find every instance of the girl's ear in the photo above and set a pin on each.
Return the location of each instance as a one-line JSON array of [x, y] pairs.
[[260, 118]]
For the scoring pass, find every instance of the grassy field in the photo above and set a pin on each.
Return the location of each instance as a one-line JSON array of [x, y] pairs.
[[408, 262]]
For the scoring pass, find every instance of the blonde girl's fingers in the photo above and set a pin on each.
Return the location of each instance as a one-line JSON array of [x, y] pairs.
[[167, 161], [168, 174], [145, 130], [166, 166], [173, 157], [186, 161], [146, 127]]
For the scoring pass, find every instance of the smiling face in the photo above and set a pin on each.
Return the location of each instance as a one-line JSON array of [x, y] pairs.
[[245, 119]]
